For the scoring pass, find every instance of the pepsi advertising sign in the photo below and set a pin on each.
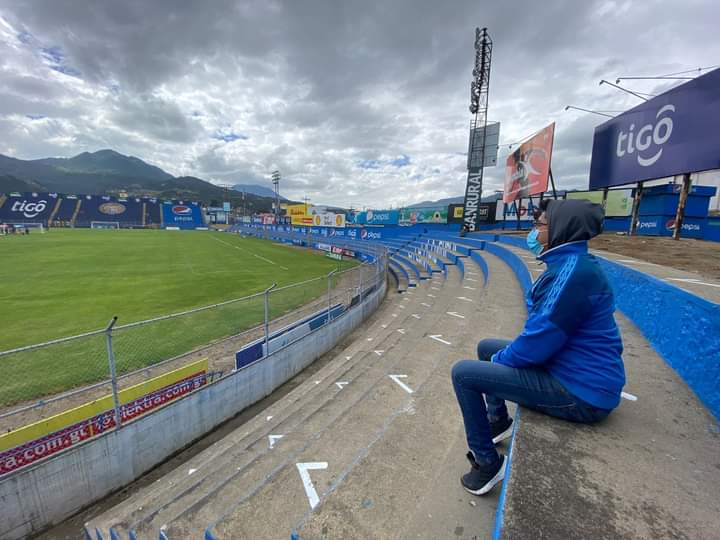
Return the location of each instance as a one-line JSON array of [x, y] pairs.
[[674, 133]]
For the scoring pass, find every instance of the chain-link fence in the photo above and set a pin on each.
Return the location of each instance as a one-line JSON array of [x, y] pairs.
[[43, 380]]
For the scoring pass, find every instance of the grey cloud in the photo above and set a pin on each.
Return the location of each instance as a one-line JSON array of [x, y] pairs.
[[318, 86]]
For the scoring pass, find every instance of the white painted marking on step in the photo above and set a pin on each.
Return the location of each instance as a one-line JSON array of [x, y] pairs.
[[272, 439], [424, 304], [394, 314], [191, 471], [431, 295], [404, 386], [471, 273], [416, 315], [317, 382], [406, 299], [627, 396], [369, 339], [693, 281], [401, 307], [268, 418], [401, 330], [379, 352], [468, 287], [303, 469], [437, 337], [465, 299], [470, 279], [341, 384], [453, 314], [435, 288], [383, 326], [348, 357]]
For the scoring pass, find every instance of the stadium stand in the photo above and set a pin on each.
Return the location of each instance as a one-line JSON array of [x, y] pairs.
[[126, 212], [64, 215], [373, 441], [28, 208], [57, 210]]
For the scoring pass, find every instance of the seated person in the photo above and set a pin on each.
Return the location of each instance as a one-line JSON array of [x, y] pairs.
[[567, 362]]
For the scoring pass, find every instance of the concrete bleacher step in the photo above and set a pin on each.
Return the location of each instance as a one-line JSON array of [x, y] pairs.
[[267, 500], [347, 408], [149, 502]]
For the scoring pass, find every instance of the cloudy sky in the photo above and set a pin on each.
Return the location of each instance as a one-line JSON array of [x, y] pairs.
[[356, 103]]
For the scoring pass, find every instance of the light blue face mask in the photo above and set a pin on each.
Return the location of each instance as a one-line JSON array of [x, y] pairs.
[[533, 243]]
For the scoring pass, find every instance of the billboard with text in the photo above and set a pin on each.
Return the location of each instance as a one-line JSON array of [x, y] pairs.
[[527, 169], [674, 133]]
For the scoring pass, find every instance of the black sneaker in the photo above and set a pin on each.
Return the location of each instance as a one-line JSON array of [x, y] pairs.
[[501, 430], [482, 478]]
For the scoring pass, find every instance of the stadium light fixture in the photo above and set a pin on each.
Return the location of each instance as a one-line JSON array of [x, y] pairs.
[[589, 111], [636, 94]]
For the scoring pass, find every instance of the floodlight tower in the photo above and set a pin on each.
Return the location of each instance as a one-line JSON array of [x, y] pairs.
[[479, 92], [276, 184]]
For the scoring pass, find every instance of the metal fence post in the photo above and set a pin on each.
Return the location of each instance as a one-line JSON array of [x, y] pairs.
[[113, 374], [329, 278], [267, 316], [360, 268]]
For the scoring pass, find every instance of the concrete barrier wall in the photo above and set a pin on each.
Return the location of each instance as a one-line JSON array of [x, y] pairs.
[[49, 492], [682, 327]]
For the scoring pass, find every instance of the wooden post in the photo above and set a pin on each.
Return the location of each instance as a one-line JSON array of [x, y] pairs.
[[636, 208], [680, 216]]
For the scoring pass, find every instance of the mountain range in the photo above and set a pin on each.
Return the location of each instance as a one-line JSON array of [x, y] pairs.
[[107, 172]]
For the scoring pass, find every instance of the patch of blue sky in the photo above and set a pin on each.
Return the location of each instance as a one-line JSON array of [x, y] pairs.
[[402, 161], [230, 137]]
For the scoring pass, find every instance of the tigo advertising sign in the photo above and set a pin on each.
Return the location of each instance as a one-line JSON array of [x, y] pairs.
[[674, 133]]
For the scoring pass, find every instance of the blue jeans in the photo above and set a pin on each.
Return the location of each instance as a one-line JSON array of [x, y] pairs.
[[533, 388]]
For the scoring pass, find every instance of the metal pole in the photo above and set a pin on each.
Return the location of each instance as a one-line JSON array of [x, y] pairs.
[[113, 374], [680, 216], [329, 278], [360, 268], [604, 199], [636, 209], [267, 316]]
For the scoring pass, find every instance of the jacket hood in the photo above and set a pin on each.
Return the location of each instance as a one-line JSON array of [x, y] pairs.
[[573, 220]]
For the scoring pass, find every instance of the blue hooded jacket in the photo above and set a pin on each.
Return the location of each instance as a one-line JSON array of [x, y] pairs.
[[571, 331]]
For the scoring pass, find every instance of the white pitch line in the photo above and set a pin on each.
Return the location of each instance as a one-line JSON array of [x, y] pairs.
[[246, 251]]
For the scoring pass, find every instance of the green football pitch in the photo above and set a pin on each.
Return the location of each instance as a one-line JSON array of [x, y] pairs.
[[68, 282]]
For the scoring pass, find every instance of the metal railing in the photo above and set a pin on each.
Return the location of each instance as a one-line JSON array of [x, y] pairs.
[[45, 379]]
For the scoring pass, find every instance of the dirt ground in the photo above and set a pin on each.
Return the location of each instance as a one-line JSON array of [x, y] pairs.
[[696, 256]]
